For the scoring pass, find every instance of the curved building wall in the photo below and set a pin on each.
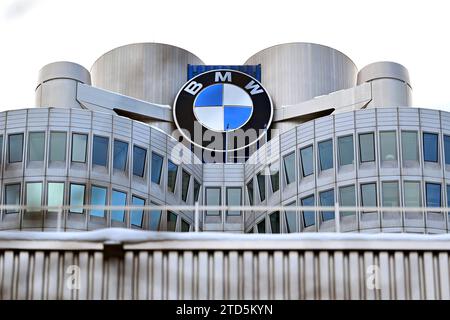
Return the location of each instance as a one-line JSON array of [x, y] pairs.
[[152, 72], [296, 72], [42, 146]]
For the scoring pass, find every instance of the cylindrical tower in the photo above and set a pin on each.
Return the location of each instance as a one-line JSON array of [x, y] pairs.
[[391, 86], [57, 84]]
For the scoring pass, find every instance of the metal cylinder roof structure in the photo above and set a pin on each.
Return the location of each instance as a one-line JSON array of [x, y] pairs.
[[296, 72], [152, 72], [383, 69]]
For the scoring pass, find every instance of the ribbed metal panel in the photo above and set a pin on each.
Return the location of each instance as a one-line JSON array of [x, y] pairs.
[[224, 269], [252, 70]]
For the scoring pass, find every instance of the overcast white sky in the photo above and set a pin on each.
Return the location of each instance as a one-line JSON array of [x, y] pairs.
[[413, 33]]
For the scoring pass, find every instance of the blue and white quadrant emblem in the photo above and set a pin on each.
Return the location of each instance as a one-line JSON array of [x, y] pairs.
[[223, 107]]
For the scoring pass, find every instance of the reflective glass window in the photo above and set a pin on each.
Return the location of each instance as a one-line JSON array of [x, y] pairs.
[[76, 197], [390, 194], [139, 158], [308, 216], [447, 149], [289, 167], [250, 191], [327, 199], [58, 142], [234, 198], [412, 194], [98, 198], [291, 219], [36, 146], [184, 226], [346, 154], [34, 196], [347, 198], [369, 195], [430, 147], [172, 170], [366, 147], [137, 215], [275, 222], [197, 187], [118, 199], [55, 194], [79, 144], [171, 221], [326, 154], [388, 145], [410, 148], [274, 178], [157, 164], [433, 194], [185, 179], [12, 196], [261, 178], [261, 226], [213, 199], [120, 157], [15, 147], [154, 219], [306, 157], [100, 151]]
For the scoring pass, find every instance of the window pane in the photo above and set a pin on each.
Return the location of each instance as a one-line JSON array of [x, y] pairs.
[[76, 197], [79, 144], [154, 218], [369, 195], [118, 199], [55, 194], [157, 163], [36, 146], [412, 194], [197, 186], [261, 226], [100, 151], [430, 147], [261, 185], [1, 148], [139, 156], [433, 194], [275, 178], [98, 198], [448, 196], [326, 154], [390, 194], [58, 146], [447, 149], [185, 179], [213, 199], [184, 226], [234, 199], [291, 219], [347, 199], [327, 199], [12, 196], [306, 156], [172, 170], [346, 154], [250, 192], [171, 221], [15, 147], [275, 222], [120, 155], [34, 195], [138, 214], [410, 149], [366, 147], [388, 146], [308, 216], [289, 167]]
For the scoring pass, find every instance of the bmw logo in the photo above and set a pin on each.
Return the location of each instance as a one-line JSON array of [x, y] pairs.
[[222, 102]]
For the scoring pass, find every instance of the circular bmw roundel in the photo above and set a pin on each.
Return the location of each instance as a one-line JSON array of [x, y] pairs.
[[220, 103]]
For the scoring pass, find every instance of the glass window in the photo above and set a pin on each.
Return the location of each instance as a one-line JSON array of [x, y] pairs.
[[154, 218], [234, 195], [447, 149], [306, 157], [34, 196], [171, 221], [15, 147], [12, 196], [172, 170], [347, 199], [390, 194], [184, 226], [79, 144], [326, 154], [118, 199], [100, 151], [120, 155], [261, 226], [1, 148], [289, 167], [346, 154], [250, 192], [139, 157], [197, 186], [137, 215], [308, 216], [76, 197], [369, 195], [36, 146], [410, 148], [275, 222], [433, 194], [55, 194], [98, 198], [213, 199], [58, 146], [185, 179], [366, 147], [327, 199], [274, 178], [157, 164], [412, 194], [291, 219], [448, 196], [388, 145], [430, 147], [261, 178]]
